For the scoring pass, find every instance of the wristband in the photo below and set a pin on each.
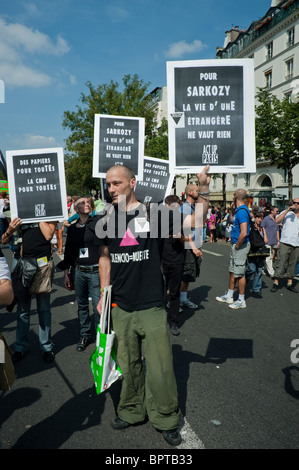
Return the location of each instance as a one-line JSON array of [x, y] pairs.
[[203, 194]]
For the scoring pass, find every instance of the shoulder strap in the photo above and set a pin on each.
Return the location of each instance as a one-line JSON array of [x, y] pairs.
[[243, 208]]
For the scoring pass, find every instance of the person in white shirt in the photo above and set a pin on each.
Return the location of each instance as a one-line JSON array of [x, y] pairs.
[[288, 252]]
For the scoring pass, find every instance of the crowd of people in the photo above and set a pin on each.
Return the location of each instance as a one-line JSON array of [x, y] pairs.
[[127, 257]]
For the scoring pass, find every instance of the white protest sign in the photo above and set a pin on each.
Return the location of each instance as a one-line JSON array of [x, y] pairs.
[[37, 186], [157, 181], [118, 140], [211, 116]]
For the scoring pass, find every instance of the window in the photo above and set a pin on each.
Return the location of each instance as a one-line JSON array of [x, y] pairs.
[[269, 51], [268, 77], [247, 179], [235, 180], [289, 69], [291, 37], [266, 182]]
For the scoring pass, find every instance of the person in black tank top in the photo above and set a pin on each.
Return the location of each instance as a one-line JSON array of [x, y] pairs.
[[36, 243]]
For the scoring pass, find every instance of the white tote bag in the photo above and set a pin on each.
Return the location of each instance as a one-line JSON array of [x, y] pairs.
[[103, 360]]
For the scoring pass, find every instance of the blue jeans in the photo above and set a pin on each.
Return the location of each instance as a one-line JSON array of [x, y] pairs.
[[255, 266], [23, 323], [87, 284]]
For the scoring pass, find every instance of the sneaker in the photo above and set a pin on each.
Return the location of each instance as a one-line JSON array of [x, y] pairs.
[[238, 304], [187, 303], [174, 329], [292, 288], [118, 423], [225, 298], [274, 288], [173, 437]]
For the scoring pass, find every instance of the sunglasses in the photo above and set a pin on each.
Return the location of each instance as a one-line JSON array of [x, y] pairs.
[[295, 202]]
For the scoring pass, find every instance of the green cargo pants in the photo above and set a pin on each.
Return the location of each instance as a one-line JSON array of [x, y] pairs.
[[151, 392]]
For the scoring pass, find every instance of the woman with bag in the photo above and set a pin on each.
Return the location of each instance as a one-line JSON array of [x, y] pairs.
[[81, 260], [36, 249], [255, 263]]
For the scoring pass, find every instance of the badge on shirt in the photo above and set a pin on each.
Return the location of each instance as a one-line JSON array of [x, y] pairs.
[[141, 225], [83, 253], [42, 261]]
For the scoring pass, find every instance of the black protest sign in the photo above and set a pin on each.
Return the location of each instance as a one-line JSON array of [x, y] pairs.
[[211, 115], [118, 140], [37, 185], [156, 183]]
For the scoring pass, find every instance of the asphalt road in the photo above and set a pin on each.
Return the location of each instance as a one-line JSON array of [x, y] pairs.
[[238, 387]]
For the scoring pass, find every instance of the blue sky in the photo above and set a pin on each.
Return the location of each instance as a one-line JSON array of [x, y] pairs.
[[50, 49]]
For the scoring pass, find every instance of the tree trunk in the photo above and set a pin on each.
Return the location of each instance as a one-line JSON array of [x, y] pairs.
[[224, 189], [290, 182]]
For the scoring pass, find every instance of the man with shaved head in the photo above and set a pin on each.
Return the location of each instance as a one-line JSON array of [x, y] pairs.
[[239, 250], [131, 262]]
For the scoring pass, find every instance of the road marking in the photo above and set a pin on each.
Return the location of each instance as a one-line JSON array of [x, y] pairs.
[[211, 253], [190, 439]]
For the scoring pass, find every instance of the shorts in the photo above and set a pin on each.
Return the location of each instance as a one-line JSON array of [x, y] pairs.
[[238, 259], [191, 267], [287, 259]]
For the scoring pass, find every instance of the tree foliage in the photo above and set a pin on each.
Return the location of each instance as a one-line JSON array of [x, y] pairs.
[[277, 132], [156, 146], [132, 100]]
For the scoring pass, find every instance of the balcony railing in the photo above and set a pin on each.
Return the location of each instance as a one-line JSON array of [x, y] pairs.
[[245, 39]]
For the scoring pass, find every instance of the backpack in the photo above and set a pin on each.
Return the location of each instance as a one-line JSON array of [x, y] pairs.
[[257, 243], [255, 238]]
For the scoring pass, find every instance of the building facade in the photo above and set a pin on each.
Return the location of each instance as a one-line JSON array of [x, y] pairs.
[[273, 43]]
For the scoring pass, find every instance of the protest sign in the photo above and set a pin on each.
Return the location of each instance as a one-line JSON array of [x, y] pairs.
[[37, 185], [156, 183], [3, 168], [118, 140], [211, 116]]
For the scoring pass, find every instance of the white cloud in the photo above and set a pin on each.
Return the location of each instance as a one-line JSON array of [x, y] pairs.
[[18, 74], [18, 44], [180, 48], [72, 78], [32, 41], [30, 8], [31, 141], [117, 13]]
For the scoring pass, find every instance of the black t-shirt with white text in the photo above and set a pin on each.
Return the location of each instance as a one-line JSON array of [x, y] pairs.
[[135, 251]]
